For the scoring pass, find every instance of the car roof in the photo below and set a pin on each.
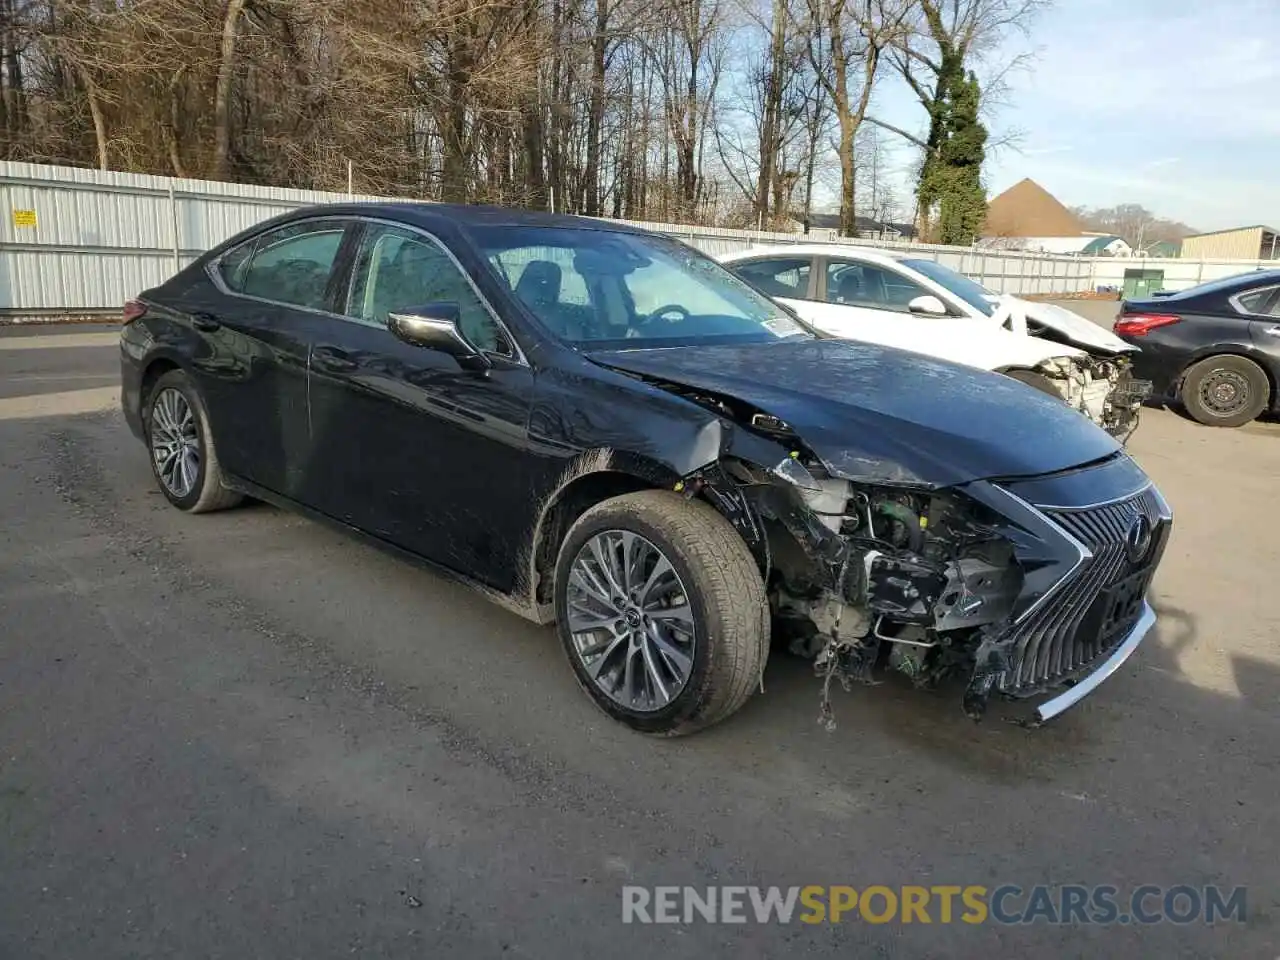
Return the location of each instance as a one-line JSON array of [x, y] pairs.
[[462, 214], [855, 251], [1228, 286]]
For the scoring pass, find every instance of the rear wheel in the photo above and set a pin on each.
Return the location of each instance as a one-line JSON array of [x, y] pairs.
[[1225, 391], [661, 611], [183, 459]]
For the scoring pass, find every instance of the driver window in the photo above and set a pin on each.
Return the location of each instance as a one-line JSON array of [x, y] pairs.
[[397, 269], [864, 285]]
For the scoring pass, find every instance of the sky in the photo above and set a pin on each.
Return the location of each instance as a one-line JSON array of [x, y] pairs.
[[1168, 103]]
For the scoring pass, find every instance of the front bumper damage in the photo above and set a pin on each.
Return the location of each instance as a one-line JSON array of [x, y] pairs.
[[1033, 591], [1091, 681], [1101, 388]]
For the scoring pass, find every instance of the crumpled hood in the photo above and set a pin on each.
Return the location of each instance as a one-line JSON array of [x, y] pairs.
[[877, 414], [1079, 330]]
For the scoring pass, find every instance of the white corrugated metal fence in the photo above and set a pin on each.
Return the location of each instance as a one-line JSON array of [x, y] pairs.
[[76, 241]]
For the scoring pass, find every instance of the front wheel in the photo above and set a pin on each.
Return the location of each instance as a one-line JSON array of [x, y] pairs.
[[661, 610], [1225, 391]]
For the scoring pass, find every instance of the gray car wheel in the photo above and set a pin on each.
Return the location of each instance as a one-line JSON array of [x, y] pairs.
[[661, 611], [183, 458]]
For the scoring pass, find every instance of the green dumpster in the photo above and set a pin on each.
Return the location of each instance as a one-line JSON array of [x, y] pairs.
[[1139, 284]]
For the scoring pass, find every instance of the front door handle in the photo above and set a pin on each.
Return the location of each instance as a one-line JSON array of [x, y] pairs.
[[1272, 331], [330, 358], [206, 322]]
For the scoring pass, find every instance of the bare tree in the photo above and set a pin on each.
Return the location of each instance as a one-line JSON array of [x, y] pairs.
[[856, 33], [1137, 225]]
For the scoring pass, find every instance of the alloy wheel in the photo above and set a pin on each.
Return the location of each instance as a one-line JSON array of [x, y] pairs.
[[631, 622], [175, 443]]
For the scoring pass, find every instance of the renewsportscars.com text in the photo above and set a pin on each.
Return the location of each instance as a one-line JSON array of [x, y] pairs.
[[972, 904]]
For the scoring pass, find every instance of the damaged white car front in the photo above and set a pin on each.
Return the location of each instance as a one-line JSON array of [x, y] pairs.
[[1094, 378]]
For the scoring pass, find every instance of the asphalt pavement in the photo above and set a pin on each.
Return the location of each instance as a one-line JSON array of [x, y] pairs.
[[245, 735]]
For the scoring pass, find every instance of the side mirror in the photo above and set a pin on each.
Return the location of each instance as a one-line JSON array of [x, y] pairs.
[[927, 306], [435, 326]]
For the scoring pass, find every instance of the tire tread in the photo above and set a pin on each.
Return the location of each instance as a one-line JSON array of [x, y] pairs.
[[732, 592], [214, 494], [1259, 383]]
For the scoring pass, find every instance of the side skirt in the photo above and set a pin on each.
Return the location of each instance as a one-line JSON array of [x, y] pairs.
[[541, 614]]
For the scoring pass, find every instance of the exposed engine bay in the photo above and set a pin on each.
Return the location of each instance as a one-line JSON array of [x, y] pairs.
[[1101, 388], [867, 577], [1098, 380], [870, 565]]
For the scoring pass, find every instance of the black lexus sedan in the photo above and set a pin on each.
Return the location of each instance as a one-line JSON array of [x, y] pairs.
[[1215, 347], [603, 428]]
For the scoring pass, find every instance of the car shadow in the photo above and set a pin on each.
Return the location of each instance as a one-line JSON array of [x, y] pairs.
[[1151, 692], [890, 727]]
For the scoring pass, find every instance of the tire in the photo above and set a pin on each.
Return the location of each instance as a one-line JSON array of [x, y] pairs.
[[1037, 380], [728, 613], [199, 487], [1225, 391]]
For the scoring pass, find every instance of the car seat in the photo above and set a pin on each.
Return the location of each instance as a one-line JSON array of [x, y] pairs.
[[539, 289], [539, 285], [849, 288]]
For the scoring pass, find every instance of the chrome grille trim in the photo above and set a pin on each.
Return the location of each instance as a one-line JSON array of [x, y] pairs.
[[1047, 644]]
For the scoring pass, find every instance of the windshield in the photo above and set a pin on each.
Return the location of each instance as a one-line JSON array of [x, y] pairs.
[[972, 293], [605, 288]]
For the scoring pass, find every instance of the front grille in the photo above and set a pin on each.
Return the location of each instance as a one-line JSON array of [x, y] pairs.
[[1092, 610]]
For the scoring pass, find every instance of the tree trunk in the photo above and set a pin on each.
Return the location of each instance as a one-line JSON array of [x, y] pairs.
[[686, 169], [174, 127], [557, 194], [13, 109], [595, 113], [533, 158], [771, 111], [848, 178], [95, 112], [222, 91], [454, 166]]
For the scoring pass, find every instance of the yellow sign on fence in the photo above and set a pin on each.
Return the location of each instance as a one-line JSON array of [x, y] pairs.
[[24, 218]]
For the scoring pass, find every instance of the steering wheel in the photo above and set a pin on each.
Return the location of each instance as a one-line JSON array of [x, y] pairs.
[[664, 312]]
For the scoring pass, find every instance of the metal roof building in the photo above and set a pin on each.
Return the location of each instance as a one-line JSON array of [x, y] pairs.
[[1243, 243]]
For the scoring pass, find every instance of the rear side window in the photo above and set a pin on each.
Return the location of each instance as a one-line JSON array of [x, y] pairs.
[[786, 277], [233, 264], [290, 265], [1261, 303]]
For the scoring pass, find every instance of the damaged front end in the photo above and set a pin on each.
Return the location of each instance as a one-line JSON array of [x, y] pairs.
[[1100, 387], [933, 583]]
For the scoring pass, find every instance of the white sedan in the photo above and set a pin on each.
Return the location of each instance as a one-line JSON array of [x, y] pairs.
[[913, 303]]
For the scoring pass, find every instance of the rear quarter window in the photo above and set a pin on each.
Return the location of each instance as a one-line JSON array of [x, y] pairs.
[[1260, 303], [291, 264], [232, 266]]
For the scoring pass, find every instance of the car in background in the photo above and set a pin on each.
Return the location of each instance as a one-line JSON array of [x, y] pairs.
[[603, 428], [1214, 347], [908, 301]]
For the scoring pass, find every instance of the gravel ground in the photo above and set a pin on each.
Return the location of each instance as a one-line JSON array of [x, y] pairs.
[[245, 735]]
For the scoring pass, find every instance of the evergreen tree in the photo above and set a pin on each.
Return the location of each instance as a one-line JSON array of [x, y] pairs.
[[952, 197]]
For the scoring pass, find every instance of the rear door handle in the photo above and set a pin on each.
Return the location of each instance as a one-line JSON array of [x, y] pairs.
[[205, 321], [330, 358]]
